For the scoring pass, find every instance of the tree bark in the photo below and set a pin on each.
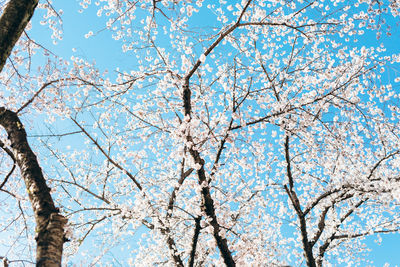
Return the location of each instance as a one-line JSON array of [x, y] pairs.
[[208, 202], [307, 247], [195, 239], [209, 209], [13, 21], [49, 222]]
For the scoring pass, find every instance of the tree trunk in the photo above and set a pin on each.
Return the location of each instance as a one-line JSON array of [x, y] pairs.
[[13, 21], [49, 223]]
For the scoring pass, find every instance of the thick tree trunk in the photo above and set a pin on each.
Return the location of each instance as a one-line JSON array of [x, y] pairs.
[[49, 222], [13, 21]]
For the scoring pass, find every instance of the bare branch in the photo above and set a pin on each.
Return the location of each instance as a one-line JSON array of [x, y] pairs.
[[132, 177], [9, 152]]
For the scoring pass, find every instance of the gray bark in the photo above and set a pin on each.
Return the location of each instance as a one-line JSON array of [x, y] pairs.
[[49, 222], [13, 21]]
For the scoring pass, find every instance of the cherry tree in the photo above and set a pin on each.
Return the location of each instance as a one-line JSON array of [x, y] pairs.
[[243, 132], [49, 223]]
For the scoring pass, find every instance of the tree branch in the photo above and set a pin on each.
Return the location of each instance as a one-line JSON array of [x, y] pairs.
[[296, 205], [209, 209], [5, 261], [9, 152], [194, 241], [164, 230], [182, 178], [328, 241], [132, 177]]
